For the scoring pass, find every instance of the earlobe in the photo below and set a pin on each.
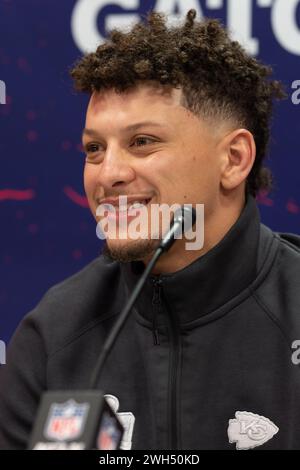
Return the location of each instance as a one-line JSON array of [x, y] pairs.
[[239, 158]]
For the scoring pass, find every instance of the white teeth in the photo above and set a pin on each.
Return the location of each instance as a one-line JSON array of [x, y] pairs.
[[137, 205], [126, 207], [134, 205]]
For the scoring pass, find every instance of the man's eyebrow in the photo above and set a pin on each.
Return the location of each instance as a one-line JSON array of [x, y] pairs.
[[131, 127]]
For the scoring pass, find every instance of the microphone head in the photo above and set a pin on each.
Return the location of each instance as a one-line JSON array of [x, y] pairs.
[[186, 216], [183, 220]]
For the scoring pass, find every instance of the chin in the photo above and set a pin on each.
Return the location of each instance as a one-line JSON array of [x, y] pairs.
[[130, 250]]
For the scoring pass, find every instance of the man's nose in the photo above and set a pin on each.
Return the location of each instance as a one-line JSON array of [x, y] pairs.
[[116, 169]]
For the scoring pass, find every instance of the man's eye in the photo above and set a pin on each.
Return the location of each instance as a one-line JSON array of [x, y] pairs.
[[92, 148], [140, 141]]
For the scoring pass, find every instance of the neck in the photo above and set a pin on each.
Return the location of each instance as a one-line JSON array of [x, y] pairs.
[[216, 225]]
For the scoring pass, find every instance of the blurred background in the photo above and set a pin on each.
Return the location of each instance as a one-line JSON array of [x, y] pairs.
[[47, 231]]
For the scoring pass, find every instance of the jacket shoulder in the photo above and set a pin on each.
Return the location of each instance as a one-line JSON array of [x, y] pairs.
[[279, 293], [78, 303], [290, 240]]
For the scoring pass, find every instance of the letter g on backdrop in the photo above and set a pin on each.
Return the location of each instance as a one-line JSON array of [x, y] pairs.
[[84, 21]]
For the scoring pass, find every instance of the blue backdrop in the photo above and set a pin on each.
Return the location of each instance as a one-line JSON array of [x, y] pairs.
[[47, 231]]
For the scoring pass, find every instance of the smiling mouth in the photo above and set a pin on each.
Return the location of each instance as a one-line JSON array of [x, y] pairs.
[[124, 206], [130, 210], [132, 205]]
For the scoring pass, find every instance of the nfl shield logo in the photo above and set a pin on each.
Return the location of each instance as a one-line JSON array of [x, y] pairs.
[[66, 420]]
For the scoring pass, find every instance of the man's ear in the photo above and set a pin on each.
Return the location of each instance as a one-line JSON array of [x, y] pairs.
[[238, 155]]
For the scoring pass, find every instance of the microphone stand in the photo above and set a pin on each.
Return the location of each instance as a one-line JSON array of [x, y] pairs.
[[185, 216]]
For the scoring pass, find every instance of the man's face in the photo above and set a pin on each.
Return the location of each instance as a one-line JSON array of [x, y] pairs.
[[145, 145]]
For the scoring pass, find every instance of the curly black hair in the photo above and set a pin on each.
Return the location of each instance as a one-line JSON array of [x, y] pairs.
[[217, 76]]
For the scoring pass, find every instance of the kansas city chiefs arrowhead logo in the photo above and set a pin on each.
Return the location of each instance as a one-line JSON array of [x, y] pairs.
[[249, 430]]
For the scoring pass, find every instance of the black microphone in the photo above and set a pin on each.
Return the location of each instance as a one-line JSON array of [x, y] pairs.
[[83, 419]]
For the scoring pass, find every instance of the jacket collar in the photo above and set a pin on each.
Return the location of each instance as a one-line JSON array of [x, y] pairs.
[[211, 280]]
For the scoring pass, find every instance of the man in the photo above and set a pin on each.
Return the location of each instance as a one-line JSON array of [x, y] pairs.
[[205, 361]]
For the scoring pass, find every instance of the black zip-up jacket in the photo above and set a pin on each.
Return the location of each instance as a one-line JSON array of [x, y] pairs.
[[208, 355]]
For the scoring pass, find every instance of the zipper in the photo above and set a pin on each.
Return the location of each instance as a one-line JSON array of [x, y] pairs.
[[174, 377], [174, 359], [156, 303]]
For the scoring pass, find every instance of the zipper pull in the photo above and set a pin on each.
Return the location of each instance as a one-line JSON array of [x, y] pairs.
[[156, 302]]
